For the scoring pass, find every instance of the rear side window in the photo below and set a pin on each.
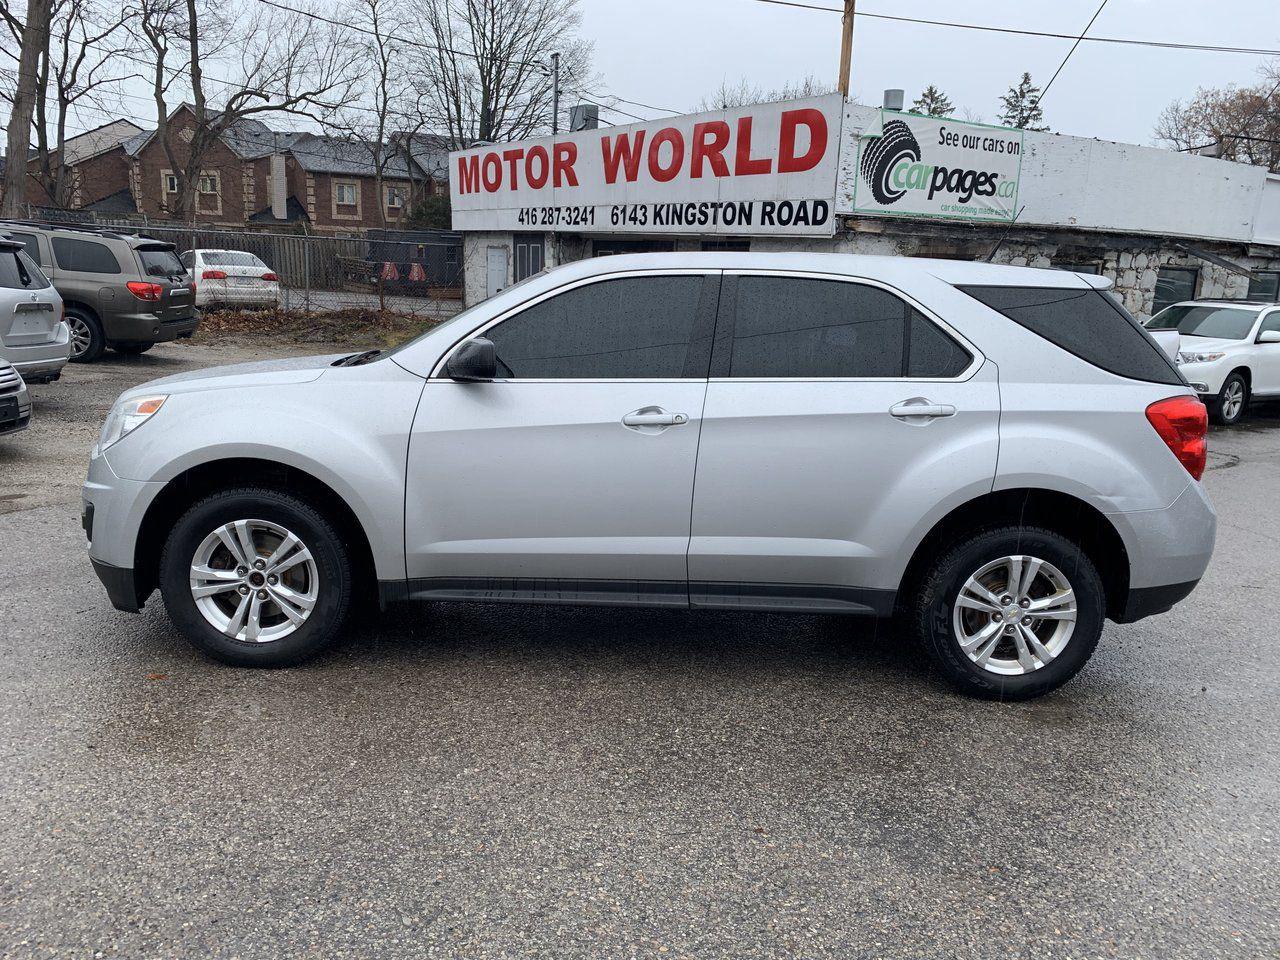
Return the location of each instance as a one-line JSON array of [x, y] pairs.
[[801, 327], [85, 256], [629, 328], [159, 261], [19, 272], [1085, 323]]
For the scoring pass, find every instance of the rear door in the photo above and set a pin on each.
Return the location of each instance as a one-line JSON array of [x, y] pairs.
[[840, 420], [571, 475], [159, 264]]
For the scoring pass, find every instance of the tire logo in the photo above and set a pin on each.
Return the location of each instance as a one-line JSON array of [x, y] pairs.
[[895, 143]]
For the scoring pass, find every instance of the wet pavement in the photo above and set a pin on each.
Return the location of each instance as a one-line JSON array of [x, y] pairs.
[[490, 781]]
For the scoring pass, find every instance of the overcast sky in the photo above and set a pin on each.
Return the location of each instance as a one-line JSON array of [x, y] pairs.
[[673, 52]]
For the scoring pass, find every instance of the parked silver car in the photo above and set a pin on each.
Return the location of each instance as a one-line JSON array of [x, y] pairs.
[[33, 336], [1002, 456], [15, 402]]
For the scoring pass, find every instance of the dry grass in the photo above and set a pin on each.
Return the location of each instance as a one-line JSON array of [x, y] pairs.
[[301, 326]]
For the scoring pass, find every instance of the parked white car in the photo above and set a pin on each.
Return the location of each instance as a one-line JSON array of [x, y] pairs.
[[1229, 351], [231, 278]]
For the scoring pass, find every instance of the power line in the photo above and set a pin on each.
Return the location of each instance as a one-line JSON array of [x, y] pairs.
[[1162, 44], [1040, 99]]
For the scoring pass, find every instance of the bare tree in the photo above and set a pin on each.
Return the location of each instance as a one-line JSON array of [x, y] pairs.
[[1245, 122], [276, 62], [33, 36], [743, 93], [485, 65]]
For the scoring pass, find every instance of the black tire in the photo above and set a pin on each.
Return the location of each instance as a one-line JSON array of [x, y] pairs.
[[333, 595], [91, 330], [1223, 410], [878, 160], [931, 614], [132, 349]]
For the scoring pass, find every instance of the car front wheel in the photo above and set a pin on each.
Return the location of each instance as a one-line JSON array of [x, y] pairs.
[[256, 577], [1011, 613], [1232, 401]]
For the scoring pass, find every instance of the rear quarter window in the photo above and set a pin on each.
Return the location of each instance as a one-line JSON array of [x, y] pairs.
[[1085, 323], [19, 272], [84, 256]]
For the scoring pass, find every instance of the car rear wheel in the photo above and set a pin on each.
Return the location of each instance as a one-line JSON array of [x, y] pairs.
[[1011, 613], [1232, 402], [256, 577], [87, 339]]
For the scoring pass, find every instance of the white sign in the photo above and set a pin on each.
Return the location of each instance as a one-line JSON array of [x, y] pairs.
[[938, 167], [764, 169]]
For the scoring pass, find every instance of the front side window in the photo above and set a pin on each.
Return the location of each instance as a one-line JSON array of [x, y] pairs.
[[1174, 284], [1204, 320], [636, 328], [85, 256], [801, 327], [1271, 323]]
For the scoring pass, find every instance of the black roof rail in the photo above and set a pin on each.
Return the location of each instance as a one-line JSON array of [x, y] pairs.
[[111, 233]]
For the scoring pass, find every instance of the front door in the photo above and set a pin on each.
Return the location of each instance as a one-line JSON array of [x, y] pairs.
[[1266, 357], [838, 419], [570, 476], [496, 265], [531, 254]]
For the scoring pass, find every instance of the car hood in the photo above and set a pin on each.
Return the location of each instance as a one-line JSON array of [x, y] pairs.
[[1205, 344], [260, 373]]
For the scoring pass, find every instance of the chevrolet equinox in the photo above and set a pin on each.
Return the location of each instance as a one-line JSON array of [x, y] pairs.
[[1000, 456]]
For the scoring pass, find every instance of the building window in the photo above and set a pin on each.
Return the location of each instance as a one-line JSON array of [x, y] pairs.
[[1173, 285], [170, 183], [1265, 285], [395, 198], [1079, 266], [208, 183], [346, 194]]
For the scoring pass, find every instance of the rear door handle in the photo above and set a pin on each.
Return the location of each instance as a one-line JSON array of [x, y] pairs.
[[654, 417], [918, 408]]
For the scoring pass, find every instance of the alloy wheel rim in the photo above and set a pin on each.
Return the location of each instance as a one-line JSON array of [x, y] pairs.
[[1014, 615], [80, 336], [254, 581], [1234, 400]]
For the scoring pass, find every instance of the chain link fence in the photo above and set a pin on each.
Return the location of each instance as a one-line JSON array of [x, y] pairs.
[[410, 273]]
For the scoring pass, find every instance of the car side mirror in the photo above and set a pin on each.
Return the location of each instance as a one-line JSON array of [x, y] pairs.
[[1269, 336], [474, 361]]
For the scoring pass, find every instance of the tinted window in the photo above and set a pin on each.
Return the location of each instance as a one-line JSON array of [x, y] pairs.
[[932, 353], [1085, 323], [634, 327], [231, 258], [30, 243], [1272, 322], [795, 327], [1227, 323], [19, 272], [159, 261], [1262, 286], [84, 255], [1174, 284]]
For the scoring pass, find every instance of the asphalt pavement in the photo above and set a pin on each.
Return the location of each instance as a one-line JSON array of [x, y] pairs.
[[509, 781]]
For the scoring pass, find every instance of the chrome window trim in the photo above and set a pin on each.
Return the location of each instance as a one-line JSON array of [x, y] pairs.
[[437, 371], [979, 358]]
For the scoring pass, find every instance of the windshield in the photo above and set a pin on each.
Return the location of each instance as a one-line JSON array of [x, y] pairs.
[[160, 261], [1203, 320]]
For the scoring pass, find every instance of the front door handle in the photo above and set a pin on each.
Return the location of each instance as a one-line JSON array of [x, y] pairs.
[[919, 408], [650, 417]]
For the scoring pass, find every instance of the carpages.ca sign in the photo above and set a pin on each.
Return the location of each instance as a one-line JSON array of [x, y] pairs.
[[764, 169], [938, 167]]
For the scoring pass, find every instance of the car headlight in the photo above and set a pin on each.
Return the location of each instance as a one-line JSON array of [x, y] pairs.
[[127, 416], [1199, 357]]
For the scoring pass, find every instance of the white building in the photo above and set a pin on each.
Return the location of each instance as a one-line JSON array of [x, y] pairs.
[[822, 174]]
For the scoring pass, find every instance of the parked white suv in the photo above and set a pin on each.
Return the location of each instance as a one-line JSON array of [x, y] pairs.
[[1229, 351], [1001, 455], [33, 336]]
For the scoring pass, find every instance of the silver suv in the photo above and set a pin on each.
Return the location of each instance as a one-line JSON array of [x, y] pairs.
[[1003, 457], [33, 336]]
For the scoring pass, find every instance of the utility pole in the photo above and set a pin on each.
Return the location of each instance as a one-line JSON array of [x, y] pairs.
[[846, 46], [555, 94]]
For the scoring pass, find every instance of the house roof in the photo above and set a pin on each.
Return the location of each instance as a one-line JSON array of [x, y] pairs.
[[119, 202], [99, 140], [429, 151], [293, 212], [355, 158], [248, 138]]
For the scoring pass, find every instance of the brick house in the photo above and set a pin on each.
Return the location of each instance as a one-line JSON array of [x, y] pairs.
[[256, 175], [97, 166]]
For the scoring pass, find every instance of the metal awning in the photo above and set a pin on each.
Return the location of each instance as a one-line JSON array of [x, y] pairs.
[[1214, 259]]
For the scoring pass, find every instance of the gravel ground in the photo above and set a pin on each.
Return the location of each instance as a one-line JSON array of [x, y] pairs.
[[474, 781]]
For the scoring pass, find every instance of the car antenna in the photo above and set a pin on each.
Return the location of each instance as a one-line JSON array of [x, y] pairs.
[[996, 248]]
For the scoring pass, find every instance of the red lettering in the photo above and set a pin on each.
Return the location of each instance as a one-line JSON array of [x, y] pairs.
[[539, 179], [709, 141], [666, 135], [513, 157], [491, 182], [743, 163], [469, 174], [620, 150], [788, 162], [566, 155]]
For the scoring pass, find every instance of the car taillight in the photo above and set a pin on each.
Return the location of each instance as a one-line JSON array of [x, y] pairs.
[[145, 291], [1183, 423], [270, 276], [214, 275]]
